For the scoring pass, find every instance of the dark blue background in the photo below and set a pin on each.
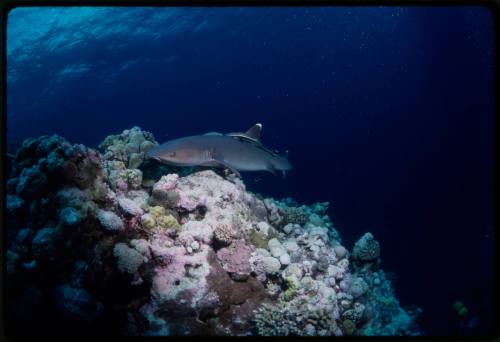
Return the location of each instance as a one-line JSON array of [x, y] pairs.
[[387, 113]]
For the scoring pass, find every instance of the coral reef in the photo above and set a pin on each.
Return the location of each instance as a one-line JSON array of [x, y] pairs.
[[109, 240]]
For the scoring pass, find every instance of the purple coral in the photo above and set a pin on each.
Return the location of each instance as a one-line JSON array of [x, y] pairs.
[[235, 259]]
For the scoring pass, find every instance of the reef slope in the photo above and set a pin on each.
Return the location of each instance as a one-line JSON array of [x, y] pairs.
[[104, 241]]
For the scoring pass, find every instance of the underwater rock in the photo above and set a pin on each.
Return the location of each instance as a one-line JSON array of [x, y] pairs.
[[13, 260], [32, 183], [24, 236], [77, 303], [16, 210], [15, 205], [43, 245], [70, 217]]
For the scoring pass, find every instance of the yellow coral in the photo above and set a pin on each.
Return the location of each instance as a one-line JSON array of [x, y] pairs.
[[148, 221], [164, 221], [168, 222], [157, 211]]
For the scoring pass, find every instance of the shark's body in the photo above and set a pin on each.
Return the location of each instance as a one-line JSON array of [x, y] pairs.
[[235, 151]]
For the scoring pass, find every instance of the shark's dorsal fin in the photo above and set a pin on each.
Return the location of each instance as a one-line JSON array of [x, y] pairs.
[[252, 134]]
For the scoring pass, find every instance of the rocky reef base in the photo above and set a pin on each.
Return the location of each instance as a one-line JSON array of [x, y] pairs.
[[107, 242]]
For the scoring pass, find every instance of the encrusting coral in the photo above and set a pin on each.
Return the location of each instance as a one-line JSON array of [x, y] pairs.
[[101, 237]]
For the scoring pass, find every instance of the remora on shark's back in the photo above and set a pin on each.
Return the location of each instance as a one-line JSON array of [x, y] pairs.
[[234, 151]]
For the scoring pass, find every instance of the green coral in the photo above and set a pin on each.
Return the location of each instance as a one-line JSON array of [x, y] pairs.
[[291, 290], [159, 218]]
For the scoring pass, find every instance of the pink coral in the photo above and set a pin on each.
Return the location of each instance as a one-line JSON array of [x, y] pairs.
[[181, 274], [121, 185], [235, 259], [187, 202], [169, 181]]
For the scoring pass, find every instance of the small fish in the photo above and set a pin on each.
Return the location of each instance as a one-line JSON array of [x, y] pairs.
[[234, 151]]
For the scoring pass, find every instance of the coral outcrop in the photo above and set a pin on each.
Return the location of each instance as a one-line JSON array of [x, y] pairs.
[[110, 240]]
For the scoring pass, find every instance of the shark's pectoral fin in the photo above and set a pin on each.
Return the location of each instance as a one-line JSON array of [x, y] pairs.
[[272, 170], [222, 163]]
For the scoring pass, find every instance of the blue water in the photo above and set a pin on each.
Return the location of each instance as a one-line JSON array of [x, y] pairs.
[[387, 113]]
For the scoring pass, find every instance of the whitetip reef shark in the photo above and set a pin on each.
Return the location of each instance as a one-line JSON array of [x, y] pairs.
[[234, 151]]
